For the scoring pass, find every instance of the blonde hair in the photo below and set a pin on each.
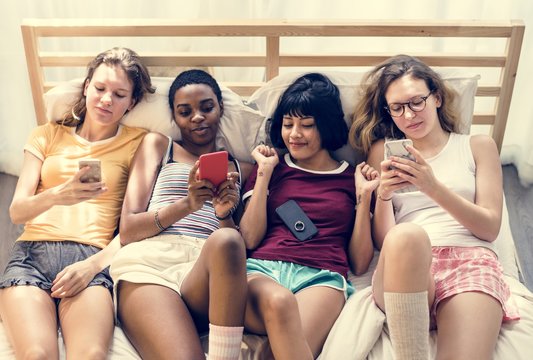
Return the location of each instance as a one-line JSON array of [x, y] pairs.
[[130, 62], [372, 122]]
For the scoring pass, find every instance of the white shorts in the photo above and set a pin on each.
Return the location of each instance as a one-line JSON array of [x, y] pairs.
[[164, 260]]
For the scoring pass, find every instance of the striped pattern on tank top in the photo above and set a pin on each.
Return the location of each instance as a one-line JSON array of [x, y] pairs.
[[171, 185]]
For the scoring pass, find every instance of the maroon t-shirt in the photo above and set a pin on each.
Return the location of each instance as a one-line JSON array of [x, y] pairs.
[[327, 198]]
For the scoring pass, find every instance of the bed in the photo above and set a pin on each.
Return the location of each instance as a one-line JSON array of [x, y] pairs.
[[478, 58]]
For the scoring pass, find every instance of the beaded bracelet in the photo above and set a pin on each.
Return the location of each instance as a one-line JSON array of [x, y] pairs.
[[157, 222]]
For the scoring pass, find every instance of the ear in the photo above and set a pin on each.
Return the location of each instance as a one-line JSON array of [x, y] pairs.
[[85, 86], [221, 108], [132, 105], [438, 100]]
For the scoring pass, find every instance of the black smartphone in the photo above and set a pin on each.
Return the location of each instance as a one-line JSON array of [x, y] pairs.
[[296, 220]]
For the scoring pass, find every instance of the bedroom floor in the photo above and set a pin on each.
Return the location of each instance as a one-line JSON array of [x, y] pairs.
[[519, 203]]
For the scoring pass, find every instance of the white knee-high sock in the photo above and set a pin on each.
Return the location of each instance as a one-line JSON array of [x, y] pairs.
[[224, 342], [408, 322]]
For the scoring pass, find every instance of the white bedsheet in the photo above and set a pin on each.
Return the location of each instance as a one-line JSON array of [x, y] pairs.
[[360, 331]]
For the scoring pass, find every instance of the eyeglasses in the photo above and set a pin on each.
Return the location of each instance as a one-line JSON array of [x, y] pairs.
[[416, 104]]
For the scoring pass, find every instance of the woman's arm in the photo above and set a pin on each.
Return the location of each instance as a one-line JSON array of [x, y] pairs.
[[483, 216], [26, 204], [361, 249], [383, 219], [254, 220]]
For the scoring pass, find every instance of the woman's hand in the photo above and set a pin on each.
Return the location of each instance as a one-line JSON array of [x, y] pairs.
[[74, 191], [266, 157], [389, 180], [73, 279], [418, 173], [199, 191], [227, 197], [366, 179]]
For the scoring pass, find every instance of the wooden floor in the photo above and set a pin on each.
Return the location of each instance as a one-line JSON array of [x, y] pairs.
[[519, 204]]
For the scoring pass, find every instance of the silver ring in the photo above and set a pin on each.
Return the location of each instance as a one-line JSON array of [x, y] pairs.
[[299, 226]]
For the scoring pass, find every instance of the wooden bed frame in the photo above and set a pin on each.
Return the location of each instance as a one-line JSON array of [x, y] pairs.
[[273, 58]]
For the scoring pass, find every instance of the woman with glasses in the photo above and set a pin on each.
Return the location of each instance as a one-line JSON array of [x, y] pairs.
[[438, 268]]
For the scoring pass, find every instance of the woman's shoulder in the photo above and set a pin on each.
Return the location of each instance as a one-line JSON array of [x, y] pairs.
[[51, 129], [155, 141], [134, 131], [482, 145], [481, 140]]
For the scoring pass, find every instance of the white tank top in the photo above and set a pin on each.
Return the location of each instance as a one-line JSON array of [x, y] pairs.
[[455, 167]]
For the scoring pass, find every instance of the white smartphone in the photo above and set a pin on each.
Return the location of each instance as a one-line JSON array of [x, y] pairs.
[[95, 172], [398, 148]]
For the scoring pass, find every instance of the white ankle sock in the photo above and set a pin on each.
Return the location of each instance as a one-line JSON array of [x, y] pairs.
[[408, 322], [224, 342]]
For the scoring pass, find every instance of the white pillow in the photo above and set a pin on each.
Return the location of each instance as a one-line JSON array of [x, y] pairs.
[[239, 131], [266, 98]]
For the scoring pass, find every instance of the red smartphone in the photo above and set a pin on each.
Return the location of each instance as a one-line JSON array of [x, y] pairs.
[[214, 167]]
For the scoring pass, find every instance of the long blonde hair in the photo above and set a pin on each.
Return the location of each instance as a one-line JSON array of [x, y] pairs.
[[372, 122], [130, 62]]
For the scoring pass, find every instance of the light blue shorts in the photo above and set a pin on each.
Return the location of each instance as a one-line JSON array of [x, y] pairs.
[[297, 277]]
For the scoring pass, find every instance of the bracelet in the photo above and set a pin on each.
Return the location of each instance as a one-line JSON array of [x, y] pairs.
[[157, 222], [382, 199], [230, 213]]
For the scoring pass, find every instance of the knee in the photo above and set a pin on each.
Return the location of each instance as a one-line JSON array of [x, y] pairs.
[[227, 242], [92, 352], [407, 242], [280, 306], [37, 352]]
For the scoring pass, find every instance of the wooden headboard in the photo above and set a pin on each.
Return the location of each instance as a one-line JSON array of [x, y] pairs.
[[274, 56]]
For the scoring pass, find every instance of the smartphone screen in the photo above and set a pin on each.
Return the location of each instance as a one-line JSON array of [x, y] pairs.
[[214, 167], [95, 172], [398, 148]]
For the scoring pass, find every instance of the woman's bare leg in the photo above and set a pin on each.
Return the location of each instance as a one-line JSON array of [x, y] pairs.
[[30, 319], [215, 289], [157, 322], [273, 310], [319, 308], [87, 323], [215, 292], [468, 326]]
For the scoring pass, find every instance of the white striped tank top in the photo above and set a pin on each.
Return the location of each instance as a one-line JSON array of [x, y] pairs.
[[171, 185]]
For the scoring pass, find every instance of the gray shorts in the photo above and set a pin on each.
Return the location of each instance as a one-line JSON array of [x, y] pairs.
[[37, 263]]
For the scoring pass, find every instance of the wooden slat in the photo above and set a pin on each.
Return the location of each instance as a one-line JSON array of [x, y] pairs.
[[274, 28], [508, 77], [176, 59], [370, 60], [272, 61], [35, 73], [488, 91], [50, 59], [484, 119]]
